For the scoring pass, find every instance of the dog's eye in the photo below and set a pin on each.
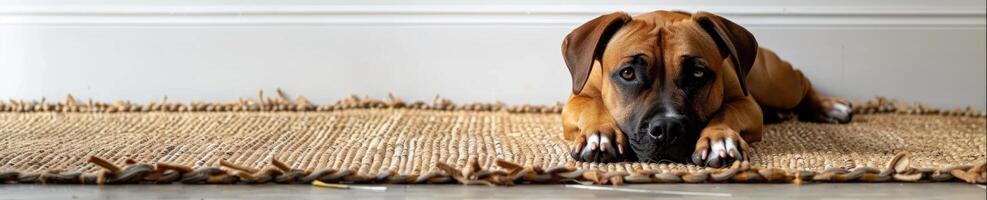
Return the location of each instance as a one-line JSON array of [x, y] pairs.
[[695, 73], [695, 67], [627, 74]]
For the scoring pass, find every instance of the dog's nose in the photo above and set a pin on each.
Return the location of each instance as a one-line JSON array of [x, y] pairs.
[[664, 128]]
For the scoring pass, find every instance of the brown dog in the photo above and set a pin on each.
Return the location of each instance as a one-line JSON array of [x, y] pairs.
[[674, 86]]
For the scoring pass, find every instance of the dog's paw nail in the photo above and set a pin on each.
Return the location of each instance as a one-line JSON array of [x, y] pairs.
[[718, 148], [593, 141], [737, 155], [604, 144], [729, 145]]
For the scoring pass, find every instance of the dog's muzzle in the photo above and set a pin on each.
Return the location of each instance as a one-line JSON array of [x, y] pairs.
[[657, 138]]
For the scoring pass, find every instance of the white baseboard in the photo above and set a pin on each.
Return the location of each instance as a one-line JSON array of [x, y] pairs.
[[757, 16]]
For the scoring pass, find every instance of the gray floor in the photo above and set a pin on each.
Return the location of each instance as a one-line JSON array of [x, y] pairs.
[[676, 191]]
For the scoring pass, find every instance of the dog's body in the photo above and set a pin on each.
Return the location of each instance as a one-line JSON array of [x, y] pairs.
[[679, 87]]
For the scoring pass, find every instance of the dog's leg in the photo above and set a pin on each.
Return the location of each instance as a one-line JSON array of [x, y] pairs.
[[725, 138], [591, 131], [777, 86]]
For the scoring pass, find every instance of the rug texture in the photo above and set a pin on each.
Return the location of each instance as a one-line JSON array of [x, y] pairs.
[[360, 140]]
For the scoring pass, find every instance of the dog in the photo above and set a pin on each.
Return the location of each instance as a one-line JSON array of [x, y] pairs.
[[671, 86]]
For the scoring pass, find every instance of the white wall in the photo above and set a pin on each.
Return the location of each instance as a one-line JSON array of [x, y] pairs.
[[931, 51]]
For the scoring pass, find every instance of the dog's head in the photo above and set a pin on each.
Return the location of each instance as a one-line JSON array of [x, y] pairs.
[[661, 75]]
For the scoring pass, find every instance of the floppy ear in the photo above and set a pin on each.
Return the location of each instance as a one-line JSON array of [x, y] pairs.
[[733, 40], [586, 43]]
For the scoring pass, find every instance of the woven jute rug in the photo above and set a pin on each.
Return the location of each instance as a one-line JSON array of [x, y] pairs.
[[361, 140]]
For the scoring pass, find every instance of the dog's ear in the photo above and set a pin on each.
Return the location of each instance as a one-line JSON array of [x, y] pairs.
[[586, 43], [732, 40]]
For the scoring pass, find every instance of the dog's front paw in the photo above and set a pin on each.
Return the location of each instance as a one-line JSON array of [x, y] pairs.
[[719, 147], [599, 145]]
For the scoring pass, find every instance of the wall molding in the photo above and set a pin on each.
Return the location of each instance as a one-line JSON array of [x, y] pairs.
[[753, 16]]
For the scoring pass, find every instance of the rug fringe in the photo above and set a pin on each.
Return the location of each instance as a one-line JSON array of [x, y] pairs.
[[278, 103], [281, 102], [507, 173]]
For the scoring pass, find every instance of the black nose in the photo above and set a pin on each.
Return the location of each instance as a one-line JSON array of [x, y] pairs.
[[665, 127]]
